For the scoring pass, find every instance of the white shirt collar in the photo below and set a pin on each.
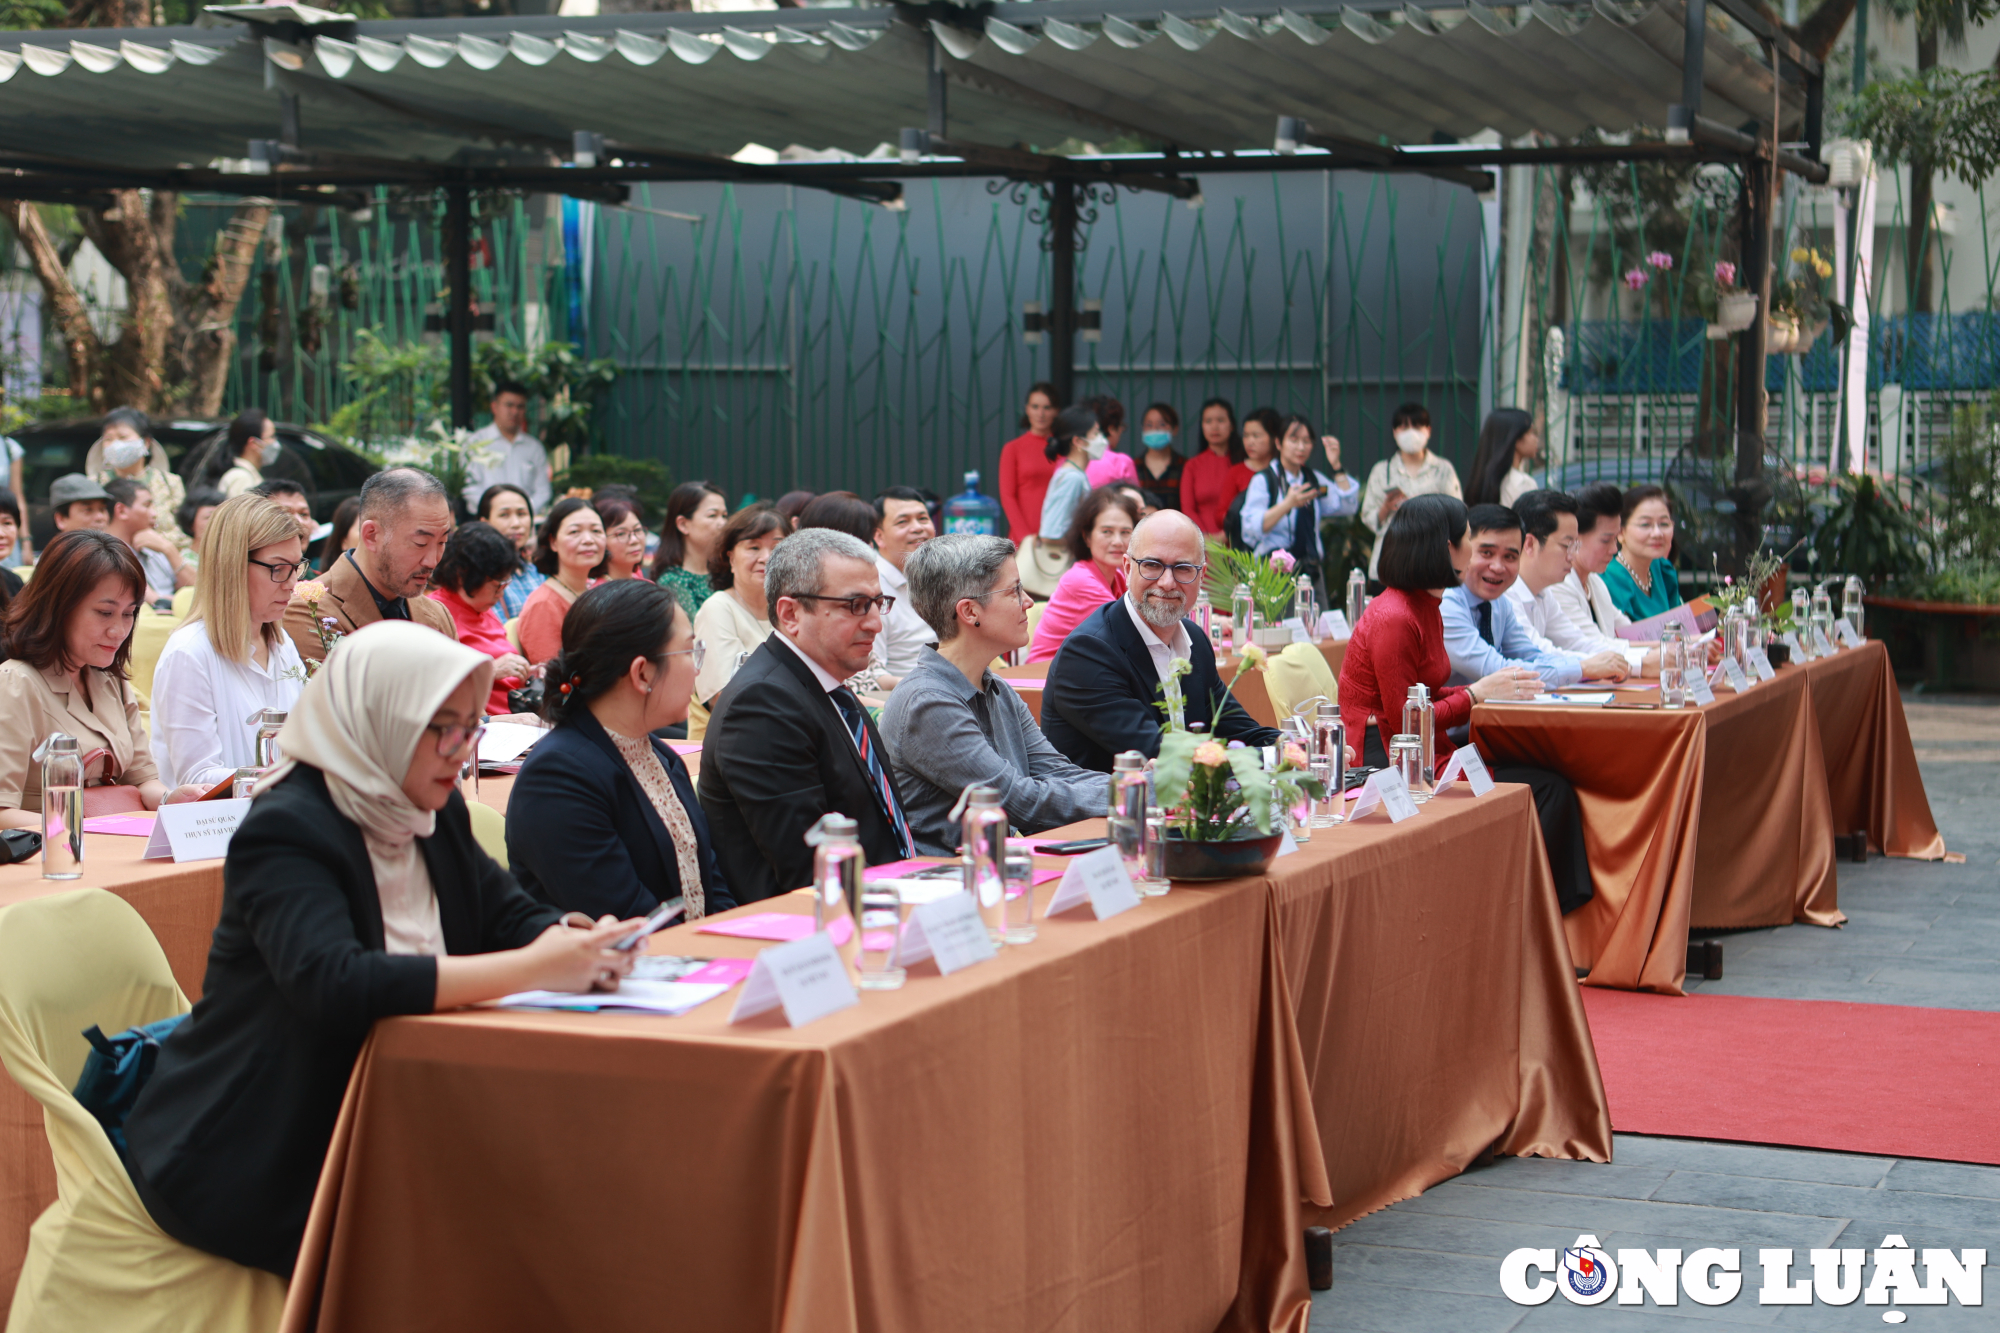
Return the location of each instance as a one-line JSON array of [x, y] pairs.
[[1162, 651], [893, 579], [827, 681]]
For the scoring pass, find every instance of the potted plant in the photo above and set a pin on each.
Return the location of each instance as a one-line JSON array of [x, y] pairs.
[[1799, 305], [1225, 809], [1273, 583], [1729, 308], [1761, 591]]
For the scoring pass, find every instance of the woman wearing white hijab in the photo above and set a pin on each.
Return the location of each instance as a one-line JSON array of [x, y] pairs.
[[353, 891]]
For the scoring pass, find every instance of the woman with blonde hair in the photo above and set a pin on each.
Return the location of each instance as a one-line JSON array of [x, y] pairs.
[[232, 658]]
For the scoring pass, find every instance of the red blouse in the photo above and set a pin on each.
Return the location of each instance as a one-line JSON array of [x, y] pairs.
[[481, 630], [1209, 482], [1025, 470], [1399, 643]]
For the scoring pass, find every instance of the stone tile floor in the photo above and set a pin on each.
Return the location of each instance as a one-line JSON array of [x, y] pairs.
[[1918, 934]]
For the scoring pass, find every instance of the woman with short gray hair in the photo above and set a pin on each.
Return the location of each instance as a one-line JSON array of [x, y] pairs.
[[952, 723]]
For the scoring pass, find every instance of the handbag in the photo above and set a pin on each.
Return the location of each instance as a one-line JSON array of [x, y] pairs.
[[116, 1071], [528, 698], [1041, 565], [18, 844]]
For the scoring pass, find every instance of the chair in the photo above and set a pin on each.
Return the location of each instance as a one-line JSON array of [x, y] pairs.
[[513, 628], [1296, 675], [183, 599], [697, 720], [96, 1259], [150, 633], [489, 830]]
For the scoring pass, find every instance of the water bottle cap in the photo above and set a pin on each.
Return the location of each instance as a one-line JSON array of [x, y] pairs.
[[832, 828], [1405, 738], [1242, 589], [972, 481], [1329, 712], [974, 797], [1128, 762], [266, 717], [59, 743]]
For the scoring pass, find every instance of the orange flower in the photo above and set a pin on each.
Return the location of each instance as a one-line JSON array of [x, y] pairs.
[[1211, 755]]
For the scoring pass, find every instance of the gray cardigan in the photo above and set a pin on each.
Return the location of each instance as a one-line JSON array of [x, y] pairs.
[[943, 735]]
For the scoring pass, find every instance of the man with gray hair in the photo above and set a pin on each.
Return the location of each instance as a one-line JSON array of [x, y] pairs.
[[1104, 687], [404, 520], [787, 742], [953, 724]]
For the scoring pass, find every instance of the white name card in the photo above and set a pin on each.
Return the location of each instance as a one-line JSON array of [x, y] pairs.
[[1099, 879], [1465, 761], [196, 830], [1387, 789], [1848, 637], [1734, 675], [807, 977], [1286, 845], [1760, 662], [949, 930], [1822, 646], [1700, 692], [1333, 625], [1298, 629]]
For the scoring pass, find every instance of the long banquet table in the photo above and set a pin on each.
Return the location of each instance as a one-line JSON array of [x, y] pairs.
[[1722, 816]]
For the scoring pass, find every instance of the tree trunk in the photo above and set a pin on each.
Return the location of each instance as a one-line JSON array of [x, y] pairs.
[[83, 347], [135, 367], [206, 333], [1918, 264]]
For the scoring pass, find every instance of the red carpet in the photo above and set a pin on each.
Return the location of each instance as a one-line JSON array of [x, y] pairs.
[[1866, 1078]]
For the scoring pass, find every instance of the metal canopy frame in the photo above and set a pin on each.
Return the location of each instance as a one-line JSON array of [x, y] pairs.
[[1068, 184]]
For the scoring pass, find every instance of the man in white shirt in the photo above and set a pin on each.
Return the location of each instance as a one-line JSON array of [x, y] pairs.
[[902, 524], [511, 454], [1548, 522], [132, 523]]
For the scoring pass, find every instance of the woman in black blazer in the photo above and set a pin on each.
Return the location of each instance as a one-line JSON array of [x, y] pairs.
[[352, 892], [606, 818]]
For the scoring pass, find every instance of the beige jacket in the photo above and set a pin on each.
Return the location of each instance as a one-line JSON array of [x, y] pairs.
[[34, 703], [348, 602]]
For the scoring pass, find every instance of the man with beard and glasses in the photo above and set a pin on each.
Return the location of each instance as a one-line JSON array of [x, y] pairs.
[[1103, 691]]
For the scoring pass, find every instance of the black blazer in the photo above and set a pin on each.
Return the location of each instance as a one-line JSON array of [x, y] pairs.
[[228, 1137], [1103, 693], [586, 837], [777, 756]]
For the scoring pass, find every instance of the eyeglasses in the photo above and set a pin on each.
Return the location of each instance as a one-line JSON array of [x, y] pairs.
[[1150, 570], [699, 652], [453, 736], [1017, 593], [859, 605], [282, 570]]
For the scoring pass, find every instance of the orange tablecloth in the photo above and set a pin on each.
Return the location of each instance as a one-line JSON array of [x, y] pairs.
[[182, 904], [1249, 689], [1096, 1131], [1714, 816], [1437, 1008], [1872, 778]]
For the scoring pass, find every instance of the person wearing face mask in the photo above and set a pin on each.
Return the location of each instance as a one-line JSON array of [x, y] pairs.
[[253, 443], [617, 828], [1076, 438], [126, 449], [1414, 470], [1159, 465]]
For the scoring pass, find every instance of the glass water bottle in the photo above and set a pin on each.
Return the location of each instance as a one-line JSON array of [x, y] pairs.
[[269, 722], [1406, 756], [1131, 793], [1802, 622], [1673, 665], [1418, 719], [983, 828], [1357, 597], [837, 867], [1329, 765], [1305, 605], [1850, 605], [1204, 616], [1822, 612], [1242, 616], [62, 807]]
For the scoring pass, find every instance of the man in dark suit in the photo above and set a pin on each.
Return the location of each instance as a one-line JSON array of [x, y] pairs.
[[1103, 691], [787, 742]]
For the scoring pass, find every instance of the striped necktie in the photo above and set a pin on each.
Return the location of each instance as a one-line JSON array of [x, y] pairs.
[[885, 791]]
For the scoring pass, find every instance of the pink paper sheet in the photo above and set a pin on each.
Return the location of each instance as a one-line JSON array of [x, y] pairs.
[[135, 824], [727, 971], [684, 748], [775, 926]]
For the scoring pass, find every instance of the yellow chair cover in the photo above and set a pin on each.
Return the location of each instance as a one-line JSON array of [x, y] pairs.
[[489, 830], [96, 1259], [150, 633], [183, 599], [697, 720], [513, 628], [1296, 675]]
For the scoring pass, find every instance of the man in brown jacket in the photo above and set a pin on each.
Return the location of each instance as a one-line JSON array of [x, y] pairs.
[[405, 518]]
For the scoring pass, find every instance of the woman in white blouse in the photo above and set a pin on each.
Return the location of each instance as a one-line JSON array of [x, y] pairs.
[[736, 619], [232, 658]]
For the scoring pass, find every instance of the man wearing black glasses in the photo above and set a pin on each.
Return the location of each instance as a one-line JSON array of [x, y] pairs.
[[787, 742], [1103, 692]]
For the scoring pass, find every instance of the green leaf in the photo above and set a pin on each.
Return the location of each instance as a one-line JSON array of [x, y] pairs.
[[1172, 771], [1247, 765]]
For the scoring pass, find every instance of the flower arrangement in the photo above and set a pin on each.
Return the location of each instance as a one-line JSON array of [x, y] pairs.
[[1213, 792], [326, 627], [1801, 299], [1272, 581], [446, 454], [1758, 571], [1658, 261]]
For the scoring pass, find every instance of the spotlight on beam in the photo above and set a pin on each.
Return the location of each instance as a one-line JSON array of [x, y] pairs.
[[586, 148], [1290, 130], [913, 145]]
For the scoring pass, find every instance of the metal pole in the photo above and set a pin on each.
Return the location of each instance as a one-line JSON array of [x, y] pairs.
[[935, 90], [1694, 49], [1062, 287], [1751, 491], [1860, 47], [458, 300]]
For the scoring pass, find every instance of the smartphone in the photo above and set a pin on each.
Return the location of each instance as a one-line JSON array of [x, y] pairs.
[[1077, 848], [657, 919]]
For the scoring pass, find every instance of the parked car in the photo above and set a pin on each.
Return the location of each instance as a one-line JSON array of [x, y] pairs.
[[1703, 496], [328, 470]]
